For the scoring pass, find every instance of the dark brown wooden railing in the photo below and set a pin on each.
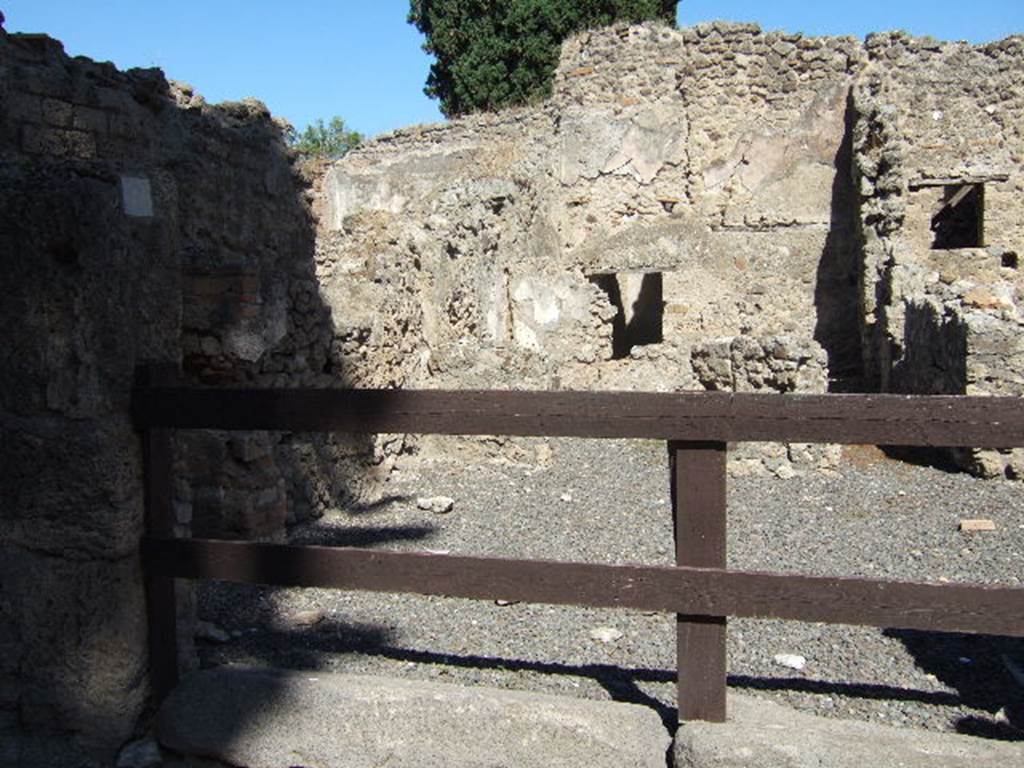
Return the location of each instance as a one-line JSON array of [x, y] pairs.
[[699, 589]]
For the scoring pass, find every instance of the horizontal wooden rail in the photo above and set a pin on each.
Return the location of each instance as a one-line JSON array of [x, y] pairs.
[[994, 422], [972, 608]]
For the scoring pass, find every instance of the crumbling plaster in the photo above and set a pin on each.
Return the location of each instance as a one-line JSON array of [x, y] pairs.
[[772, 180], [715, 157]]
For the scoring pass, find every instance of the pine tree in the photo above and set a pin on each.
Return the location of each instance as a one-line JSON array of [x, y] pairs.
[[496, 53]]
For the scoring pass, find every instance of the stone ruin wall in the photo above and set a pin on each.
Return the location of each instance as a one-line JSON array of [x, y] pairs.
[[776, 189], [712, 159], [771, 181], [943, 316], [138, 225]]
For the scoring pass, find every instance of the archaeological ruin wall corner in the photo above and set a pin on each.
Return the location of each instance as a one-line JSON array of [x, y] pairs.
[[139, 225]]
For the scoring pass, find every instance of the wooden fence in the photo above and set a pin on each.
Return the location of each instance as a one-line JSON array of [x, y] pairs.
[[700, 590]]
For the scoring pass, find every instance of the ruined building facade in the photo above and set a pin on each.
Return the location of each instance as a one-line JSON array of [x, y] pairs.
[[708, 208]]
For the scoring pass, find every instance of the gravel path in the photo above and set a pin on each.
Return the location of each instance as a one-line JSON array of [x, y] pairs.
[[607, 501]]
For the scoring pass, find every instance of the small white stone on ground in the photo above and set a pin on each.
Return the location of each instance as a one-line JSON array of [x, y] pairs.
[[305, 618], [566, 497], [791, 660], [207, 630], [605, 634], [144, 753], [438, 504]]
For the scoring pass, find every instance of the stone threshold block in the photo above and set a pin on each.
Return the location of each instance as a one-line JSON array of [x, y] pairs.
[[761, 734], [264, 718]]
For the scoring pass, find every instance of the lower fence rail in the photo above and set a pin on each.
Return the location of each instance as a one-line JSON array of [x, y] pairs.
[[970, 608]]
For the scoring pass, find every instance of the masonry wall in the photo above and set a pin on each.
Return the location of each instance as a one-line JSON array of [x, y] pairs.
[[137, 225], [937, 121], [715, 160], [774, 193]]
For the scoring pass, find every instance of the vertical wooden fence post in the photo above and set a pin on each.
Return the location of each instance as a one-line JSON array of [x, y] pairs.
[[161, 602], [698, 504]]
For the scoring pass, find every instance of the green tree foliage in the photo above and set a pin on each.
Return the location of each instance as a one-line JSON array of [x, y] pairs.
[[332, 140], [495, 53]]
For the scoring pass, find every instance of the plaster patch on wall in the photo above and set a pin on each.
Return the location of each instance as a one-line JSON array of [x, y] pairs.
[[136, 197], [543, 307]]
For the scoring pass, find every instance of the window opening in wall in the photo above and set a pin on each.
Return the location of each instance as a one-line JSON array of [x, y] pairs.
[[1010, 260], [959, 223], [637, 297]]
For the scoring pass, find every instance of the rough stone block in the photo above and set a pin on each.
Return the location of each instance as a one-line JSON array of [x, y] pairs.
[[275, 719], [91, 469], [126, 125], [761, 734], [42, 82], [57, 113], [81, 665], [114, 99], [37, 140], [89, 119], [249, 446], [24, 106]]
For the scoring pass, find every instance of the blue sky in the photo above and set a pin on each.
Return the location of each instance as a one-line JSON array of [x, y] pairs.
[[361, 60]]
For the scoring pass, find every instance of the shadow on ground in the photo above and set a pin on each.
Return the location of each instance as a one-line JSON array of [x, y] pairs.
[[982, 670], [983, 684]]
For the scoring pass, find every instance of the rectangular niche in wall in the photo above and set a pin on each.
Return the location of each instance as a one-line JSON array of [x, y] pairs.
[[637, 297], [959, 222]]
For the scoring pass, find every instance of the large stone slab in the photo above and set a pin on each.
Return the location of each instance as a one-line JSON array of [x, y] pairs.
[[275, 719], [760, 734]]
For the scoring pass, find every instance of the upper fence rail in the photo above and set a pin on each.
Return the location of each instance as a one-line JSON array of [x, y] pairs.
[[907, 420]]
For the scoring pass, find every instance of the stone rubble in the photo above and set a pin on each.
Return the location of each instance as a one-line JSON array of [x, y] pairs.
[[440, 505]]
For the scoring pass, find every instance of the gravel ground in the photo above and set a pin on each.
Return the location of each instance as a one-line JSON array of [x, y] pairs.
[[607, 501]]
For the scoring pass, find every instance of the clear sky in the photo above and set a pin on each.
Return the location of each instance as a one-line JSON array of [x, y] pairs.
[[361, 60]]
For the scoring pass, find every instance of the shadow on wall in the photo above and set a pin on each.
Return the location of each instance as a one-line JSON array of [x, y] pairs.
[[253, 316], [137, 225], [933, 357], [75, 313], [836, 295], [638, 299]]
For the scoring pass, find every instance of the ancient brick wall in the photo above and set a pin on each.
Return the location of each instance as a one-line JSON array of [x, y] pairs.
[[137, 225], [679, 215], [939, 153], [715, 207]]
